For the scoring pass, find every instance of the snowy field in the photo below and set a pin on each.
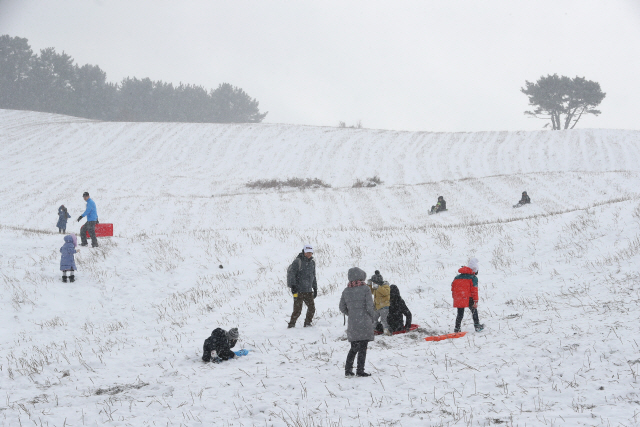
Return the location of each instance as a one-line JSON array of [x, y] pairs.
[[559, 279]]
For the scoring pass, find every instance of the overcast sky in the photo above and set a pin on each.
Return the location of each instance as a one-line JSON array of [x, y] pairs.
[[406, 65]]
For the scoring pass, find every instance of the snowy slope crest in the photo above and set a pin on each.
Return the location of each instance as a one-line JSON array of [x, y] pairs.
[[559, 279]]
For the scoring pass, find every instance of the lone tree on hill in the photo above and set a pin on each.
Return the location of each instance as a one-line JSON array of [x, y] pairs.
[[556, 96]]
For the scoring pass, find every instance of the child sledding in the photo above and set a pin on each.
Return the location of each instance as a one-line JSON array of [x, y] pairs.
[[524, 200], [441, 206]]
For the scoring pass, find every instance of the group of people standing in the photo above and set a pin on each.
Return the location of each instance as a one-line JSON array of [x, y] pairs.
[[68, 250], [370, 305]]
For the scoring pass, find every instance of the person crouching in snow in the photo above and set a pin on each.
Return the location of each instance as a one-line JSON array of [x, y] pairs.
[[67, 259], [356, 302], [397, 311], [63, 215], [382, 301], [464, 289], [221, 342]]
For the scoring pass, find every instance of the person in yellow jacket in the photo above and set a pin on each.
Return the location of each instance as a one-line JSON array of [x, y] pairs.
[[382, 301]]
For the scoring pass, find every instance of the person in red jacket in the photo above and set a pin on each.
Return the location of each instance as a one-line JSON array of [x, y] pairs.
[[464, 289]]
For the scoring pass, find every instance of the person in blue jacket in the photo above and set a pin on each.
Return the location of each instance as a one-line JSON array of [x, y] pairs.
[[92, 219], [67, 259], [63, 215]]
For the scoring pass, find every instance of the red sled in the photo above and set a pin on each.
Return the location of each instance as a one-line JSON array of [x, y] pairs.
[[103, 230], [413, 327], [446, 337]]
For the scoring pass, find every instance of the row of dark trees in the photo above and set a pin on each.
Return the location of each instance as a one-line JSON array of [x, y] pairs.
[[51, 82]]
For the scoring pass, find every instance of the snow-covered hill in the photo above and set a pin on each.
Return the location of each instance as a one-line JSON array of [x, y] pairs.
[[559, 280]]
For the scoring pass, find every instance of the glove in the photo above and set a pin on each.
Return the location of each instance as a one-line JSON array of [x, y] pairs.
[[294, 290], [79, 218], [242, 352], [97, 222], [315, 293]]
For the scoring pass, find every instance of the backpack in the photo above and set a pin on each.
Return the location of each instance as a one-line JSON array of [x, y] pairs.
[[292, 271]]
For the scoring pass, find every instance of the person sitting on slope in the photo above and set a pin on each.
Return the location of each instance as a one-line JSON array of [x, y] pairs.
[[221, 342], [397, 309], [440, 206], [524, 200]]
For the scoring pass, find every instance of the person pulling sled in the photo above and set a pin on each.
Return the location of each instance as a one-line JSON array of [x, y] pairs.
[[441, 206]]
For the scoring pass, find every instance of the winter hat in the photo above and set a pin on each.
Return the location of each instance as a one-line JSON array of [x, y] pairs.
[[233, 334], [473, 264], [356, 274], [307, 249], [377, 271]]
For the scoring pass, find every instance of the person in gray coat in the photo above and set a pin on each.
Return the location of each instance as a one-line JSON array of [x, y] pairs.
[[357, 303]]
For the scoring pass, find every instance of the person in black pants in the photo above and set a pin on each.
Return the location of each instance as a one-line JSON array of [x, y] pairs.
[[397, 310], [221, 342], [357, 303]]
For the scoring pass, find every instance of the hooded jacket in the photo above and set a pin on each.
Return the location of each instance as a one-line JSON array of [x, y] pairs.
[[63, 215], [397, 309], [381, 296], [67, 260], [219, 343], [357, 303], [306, 274], [91, 212], [463, 287]]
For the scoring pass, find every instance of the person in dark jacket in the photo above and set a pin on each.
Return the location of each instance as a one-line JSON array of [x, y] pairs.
[[67, 259], [304, 287], [524, 200], [63, 215], [357, 303], [221, 342], [440, 206], [464, 290], [377, 278], [397, 309]]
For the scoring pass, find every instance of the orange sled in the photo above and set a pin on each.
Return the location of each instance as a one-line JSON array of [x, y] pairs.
[[445, 337]]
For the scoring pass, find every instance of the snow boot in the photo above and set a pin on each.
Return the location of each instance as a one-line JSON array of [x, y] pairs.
[[72, 278], [308, 325], [456, 330], [362, 374], [64, 279], [348, 374], [387, 332], [84, 244], [479, 328]]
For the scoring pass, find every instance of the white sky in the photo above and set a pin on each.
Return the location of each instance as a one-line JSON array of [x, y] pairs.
[[407, 65]]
